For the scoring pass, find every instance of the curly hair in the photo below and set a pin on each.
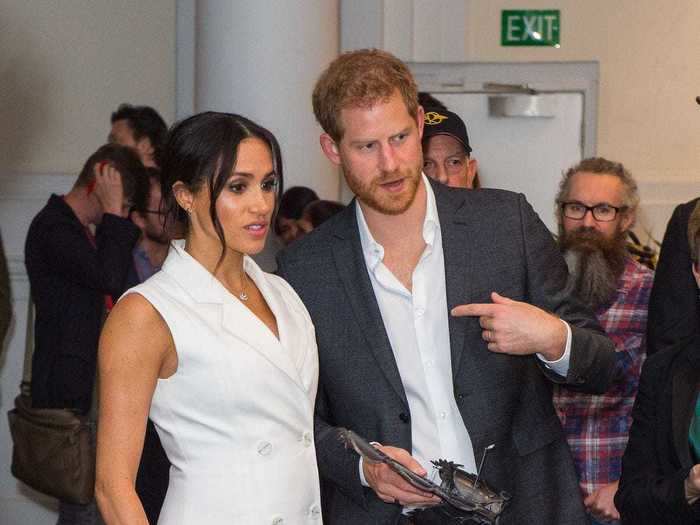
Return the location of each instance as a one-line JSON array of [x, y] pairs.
[[361, 79], [601, 166]]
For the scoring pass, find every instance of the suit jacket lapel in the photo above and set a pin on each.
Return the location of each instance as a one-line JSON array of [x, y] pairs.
[[352, 270], [454, 226], [684, 394]]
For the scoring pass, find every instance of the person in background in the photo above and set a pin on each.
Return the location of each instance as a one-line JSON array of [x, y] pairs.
[[75, 275], [141, 128], [660, 481], [149, 215], [5, 299], [674, 309], [318, 212], [446, 150], [290, 210], [156, 232], [596, 207], [144, 130]]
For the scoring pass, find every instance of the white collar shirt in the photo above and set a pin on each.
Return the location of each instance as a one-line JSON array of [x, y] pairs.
[[416, 323]]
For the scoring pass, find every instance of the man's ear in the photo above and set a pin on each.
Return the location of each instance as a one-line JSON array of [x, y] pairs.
[[421, 121], [696, 272], [627, 221], [472, 166], [183, 196], [330, 148]]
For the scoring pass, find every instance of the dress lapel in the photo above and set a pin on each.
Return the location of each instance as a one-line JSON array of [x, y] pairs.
[[347, 252], [236, 319]]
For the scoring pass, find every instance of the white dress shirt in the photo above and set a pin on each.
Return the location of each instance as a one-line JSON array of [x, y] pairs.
[[416, 322]]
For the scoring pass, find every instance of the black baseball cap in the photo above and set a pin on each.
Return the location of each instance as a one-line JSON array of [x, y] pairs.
[[442, 122]]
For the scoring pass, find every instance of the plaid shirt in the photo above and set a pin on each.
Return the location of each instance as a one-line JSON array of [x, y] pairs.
[[597, 426]]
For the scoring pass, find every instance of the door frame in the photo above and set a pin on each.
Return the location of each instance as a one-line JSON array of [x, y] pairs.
[[543, 77]]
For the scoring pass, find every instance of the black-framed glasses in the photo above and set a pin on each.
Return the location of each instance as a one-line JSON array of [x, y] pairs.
[[602, 212]]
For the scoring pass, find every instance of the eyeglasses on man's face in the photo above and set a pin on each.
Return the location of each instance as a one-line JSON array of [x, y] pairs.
[[132, 209], [602, 212]]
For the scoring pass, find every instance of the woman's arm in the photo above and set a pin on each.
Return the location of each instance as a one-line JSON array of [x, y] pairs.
[[136, 348]]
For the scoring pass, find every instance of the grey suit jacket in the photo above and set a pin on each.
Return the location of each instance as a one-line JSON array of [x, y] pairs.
[[492, 241]]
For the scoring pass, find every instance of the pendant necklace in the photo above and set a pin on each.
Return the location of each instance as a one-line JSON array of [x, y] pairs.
[[242, 295]]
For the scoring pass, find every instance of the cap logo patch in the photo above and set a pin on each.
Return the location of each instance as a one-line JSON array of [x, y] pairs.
[[433, 118]]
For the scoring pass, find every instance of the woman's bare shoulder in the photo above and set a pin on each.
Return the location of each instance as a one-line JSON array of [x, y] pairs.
[[137, 311], [135, 325]]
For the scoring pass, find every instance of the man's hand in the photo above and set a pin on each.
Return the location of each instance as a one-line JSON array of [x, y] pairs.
[[109, 189], [514, 327], [601, 503], [392, 488]]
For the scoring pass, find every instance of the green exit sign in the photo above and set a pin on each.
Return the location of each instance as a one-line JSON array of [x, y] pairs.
[[530, 28]]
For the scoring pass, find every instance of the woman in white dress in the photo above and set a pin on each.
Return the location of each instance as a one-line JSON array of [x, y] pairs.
[[222, 354]]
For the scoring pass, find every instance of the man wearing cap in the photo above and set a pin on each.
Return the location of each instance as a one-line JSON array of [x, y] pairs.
[[446, 150]]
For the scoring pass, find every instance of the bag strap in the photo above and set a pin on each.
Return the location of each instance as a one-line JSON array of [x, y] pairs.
[[25, 386]]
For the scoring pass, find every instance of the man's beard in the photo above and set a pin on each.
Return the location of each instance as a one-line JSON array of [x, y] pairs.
[[595, 263], [160, 238], [159, 233], [382, 201]]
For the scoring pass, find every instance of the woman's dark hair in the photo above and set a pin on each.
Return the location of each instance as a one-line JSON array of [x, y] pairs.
[[320, 211], [202, 149], [293, 202]]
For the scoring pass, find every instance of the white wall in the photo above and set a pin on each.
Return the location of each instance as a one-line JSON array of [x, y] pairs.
[[65, 65]]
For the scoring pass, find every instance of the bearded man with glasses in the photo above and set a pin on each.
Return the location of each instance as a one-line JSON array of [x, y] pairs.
[[596, 207]]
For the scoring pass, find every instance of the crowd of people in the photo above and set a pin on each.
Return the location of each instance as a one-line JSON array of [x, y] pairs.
[[431, 316]]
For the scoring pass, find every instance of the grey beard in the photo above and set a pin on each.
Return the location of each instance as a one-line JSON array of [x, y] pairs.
[[591, 277], [595, 266]]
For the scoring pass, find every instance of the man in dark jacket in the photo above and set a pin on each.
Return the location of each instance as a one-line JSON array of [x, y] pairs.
[[674, 310], [75, 276], [431, 307], [661, 467]]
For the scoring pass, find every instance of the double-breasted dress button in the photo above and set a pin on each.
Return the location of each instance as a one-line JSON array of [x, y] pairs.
[[306, 439], [264, 448], [277, 520], [315, 512]]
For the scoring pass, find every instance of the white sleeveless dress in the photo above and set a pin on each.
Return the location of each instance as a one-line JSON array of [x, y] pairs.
[[236, 419]]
